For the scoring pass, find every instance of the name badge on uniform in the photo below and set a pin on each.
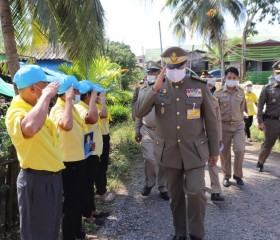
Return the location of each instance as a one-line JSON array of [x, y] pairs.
[[193, 113], [193, 92]]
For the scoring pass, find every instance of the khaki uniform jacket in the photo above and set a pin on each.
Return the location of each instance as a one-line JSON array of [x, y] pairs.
[[181, 142], [270, 96], [232, 105]]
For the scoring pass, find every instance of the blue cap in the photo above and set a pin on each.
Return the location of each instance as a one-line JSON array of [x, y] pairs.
[[98, 88], [67, 82], [29, 75], [85, 86]]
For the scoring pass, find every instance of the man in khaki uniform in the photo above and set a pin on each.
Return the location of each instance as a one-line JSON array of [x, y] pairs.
[[214, 170], [269, 122], [232, 105], [183, 109], [145, 131]]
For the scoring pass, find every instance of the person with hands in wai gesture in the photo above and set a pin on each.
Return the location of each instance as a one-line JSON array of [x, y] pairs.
[[71, 128], [88, 111], [186, 138]]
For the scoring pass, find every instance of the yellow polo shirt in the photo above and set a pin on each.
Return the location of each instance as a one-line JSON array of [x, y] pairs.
[[104, 122], [251, 100], [71, 142], [82, 108], [40, 152]]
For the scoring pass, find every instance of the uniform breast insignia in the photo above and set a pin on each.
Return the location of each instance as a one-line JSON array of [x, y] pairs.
[[193, 92], [193, 113], [273, 100]]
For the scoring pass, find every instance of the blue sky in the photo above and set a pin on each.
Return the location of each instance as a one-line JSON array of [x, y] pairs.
[[136, 23]]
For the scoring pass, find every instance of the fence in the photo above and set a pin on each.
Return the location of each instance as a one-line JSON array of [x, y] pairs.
[[258, 77], [9, 169]]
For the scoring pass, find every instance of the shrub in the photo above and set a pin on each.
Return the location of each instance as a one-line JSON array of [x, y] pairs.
[[119, 113]]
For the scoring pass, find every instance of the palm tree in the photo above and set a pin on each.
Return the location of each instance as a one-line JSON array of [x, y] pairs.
[[77, 25], [205, 18]]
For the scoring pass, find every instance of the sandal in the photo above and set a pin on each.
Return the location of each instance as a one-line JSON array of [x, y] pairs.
[[107, 197], [100, 214]]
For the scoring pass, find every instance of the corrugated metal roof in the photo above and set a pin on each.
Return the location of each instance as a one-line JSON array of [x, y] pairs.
[[48, 52]]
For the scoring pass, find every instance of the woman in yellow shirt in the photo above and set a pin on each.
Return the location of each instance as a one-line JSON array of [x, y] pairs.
[[251, 101]]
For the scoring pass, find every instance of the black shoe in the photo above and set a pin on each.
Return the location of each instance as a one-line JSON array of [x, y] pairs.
[[146, 191], [98, 221], [101, 215], [164, 195], [238, 180], [179, 238], [194, 238], [217, 197], [226, 182], [260, 167], [81, 235]]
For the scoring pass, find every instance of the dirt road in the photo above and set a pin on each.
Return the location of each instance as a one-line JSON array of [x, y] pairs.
[[249, 212]]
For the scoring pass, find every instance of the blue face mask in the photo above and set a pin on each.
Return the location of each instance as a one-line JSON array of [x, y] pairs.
[[249, 89], [76, 100]]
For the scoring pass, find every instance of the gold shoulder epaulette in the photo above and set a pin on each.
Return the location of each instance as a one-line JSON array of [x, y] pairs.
[[216, 99], [198, 78], [242, 88], [219, 89]]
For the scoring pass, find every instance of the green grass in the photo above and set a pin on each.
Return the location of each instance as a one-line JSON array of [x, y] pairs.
[[123, 150], [258, 136]]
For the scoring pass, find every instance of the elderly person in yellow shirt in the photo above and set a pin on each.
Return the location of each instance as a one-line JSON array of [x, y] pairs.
[[251, 101], [71, 130], [34, 136], [88, 111]]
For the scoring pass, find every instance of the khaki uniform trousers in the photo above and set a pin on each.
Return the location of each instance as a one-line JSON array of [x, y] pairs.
[[214, 179], [233, 133], [154, 173], [190, 218], [271, 134]]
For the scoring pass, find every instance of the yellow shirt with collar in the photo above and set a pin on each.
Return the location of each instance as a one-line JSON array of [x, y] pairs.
[[251, 100], [71, 142], [40, 152], [97, 138], [104, 122]]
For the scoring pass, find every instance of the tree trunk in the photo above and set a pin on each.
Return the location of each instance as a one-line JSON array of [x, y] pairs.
[[9, 39], [243, 56], [220, 43]]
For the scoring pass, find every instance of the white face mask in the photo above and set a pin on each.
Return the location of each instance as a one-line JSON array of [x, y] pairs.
[[151, 78], [76, 100], [232, 83], [175, 75], [249, 89], [277, 77]]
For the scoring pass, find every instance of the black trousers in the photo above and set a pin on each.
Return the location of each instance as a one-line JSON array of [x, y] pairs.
[[91, 169], [101, 180], [248, 123], [72, 179]]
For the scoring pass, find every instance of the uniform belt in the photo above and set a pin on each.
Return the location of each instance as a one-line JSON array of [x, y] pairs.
[[271, 117], [153, 128], [42, 172], [231, 122]]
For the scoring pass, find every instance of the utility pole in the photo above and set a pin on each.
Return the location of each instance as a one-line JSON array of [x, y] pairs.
[[160, 41]]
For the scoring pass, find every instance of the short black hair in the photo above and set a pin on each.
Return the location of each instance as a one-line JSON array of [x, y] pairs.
[[83, 96], [232, 70]]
